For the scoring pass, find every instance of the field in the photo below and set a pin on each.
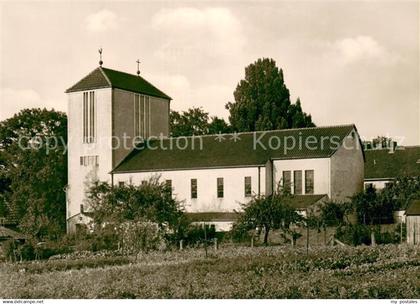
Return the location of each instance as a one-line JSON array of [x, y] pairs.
[[231, 272]]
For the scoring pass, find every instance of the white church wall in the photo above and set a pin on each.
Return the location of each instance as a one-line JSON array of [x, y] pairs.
[[207, 200], [79, 175], [378, 184], [321, 167]]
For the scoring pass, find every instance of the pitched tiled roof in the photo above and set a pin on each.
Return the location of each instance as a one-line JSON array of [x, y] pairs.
[[107, 78], [212, 216], [405, 161], [9, 233], [247, 151], [413, 208], [305, 201]]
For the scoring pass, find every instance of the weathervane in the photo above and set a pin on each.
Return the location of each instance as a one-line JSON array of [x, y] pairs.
[[100, 57], [138, 67]]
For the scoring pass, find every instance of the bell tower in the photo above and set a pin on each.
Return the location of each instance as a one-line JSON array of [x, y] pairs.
[[108, 111]]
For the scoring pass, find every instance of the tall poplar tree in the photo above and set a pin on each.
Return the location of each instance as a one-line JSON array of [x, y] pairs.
[[262, 101]]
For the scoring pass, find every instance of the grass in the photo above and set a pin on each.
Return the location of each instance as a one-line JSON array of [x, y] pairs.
[[232, 272]]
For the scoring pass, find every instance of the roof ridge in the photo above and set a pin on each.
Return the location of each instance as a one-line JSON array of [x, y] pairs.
[[93, 71], [138, 77], [267, 131], [105, 75]]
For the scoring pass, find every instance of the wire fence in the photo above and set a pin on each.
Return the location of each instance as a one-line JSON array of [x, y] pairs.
[[323, 235]]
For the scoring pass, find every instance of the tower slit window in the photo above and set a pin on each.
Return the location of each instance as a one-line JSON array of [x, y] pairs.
[[137, 131], [146, 116], [89, 117], [141, 115]]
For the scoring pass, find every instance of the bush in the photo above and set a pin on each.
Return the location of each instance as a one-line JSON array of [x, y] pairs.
[[195, 234], [361, 235], [141, 236], [240, 233], [10, 250], [354, 234], [103, 239], [333, 213], [46, 250], [27, 252]]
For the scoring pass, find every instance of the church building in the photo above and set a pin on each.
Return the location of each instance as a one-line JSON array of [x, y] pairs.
[[212, 175]]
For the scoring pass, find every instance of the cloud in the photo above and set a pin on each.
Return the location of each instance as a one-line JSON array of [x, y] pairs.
[[177, 86], [214, 33], [361, 48], [14, 100], [212, 98], [101, 21]]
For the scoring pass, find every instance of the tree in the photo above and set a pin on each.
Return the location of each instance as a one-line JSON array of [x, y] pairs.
[[34, 144], [262, 101], [268, 212], [333, 214], [218, 125], [151, 201], [402, 191], [195, 121], [372, 207]]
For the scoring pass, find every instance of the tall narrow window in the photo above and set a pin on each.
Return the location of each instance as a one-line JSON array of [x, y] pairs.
[[297, 182], [309, 181], [92, 116], [137, 131], [141, 115], [146, 116], [193, 188], [248, 186], [220, 187], [89, 117], [85, 116], [287, 181]]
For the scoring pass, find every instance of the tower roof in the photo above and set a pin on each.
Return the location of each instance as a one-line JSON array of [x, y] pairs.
[[106, 78]]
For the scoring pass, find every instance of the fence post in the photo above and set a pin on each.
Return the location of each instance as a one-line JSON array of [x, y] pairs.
[[401, 231], [372, 237], [252, 241], [205, 238], [181, 244], [216, 246]]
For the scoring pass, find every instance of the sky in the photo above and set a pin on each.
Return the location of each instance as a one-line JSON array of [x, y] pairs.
[[349, 62]]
